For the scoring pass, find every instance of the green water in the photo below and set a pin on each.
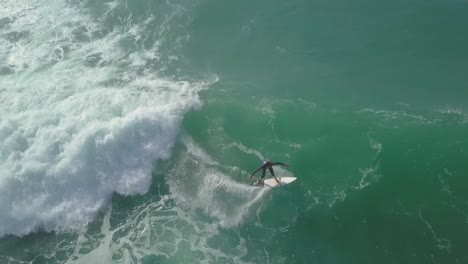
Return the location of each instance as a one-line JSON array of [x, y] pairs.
[[365, 100]]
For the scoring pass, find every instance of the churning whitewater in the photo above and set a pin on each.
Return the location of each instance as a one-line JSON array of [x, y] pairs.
[[85, 111]]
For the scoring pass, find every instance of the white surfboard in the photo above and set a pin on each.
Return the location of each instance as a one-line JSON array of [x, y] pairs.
[[284, 180]]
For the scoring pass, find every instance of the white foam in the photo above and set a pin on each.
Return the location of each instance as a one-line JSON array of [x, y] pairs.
[[196, 182], [393, 115], [441, 243], [371, 174], [81, 116], [454, 114], [444, 183], [156, 229], [451, 111], [245, 149]]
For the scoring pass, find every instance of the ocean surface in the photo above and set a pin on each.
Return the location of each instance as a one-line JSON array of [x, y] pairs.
[[128, 130]]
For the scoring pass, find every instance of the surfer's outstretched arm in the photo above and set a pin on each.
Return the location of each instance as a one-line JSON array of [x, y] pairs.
[[253, 173], [279, 163]]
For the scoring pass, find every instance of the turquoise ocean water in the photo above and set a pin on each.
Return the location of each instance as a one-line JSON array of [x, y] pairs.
[[128, 130]]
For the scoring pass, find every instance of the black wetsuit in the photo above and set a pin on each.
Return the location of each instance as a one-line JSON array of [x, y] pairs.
[[268, 164]]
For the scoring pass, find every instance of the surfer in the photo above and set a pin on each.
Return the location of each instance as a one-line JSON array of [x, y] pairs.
[[266, 165]]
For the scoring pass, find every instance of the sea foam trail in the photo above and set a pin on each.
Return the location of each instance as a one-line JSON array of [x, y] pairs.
[[82, 114], [198, 182]]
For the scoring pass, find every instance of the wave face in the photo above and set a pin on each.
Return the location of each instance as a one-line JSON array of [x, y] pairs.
[[86, 108]]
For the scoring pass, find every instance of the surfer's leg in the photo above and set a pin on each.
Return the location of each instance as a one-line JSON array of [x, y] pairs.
[[271, 171], [273, 174]]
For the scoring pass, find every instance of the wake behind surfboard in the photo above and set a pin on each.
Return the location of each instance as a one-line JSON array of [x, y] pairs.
[[273, 183]]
